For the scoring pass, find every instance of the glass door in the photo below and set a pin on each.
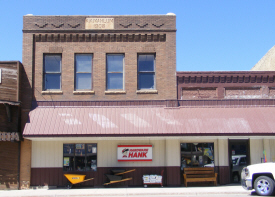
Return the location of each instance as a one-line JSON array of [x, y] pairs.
[[238, 158]]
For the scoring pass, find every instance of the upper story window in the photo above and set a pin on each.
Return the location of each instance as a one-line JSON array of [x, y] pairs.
[[146, 71], [115, 72], [83, 71], [52, 72]]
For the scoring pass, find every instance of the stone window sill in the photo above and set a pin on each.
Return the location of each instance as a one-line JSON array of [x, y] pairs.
[[83, 92], [115, 92], [146, 91], [52, 92]]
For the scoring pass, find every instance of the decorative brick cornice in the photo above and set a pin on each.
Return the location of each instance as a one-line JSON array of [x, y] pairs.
[[129, 23], [226, 77], [100, 37]]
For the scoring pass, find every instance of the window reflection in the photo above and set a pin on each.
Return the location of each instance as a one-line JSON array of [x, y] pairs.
[[197, 155], [115, 67], [52, 72], [79, 157]]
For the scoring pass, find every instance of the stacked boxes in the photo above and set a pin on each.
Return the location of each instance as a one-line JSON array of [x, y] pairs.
[[153, 178], [146, 178]]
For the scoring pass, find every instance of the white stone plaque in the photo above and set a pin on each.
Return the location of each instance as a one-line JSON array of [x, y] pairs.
[[99, 23]]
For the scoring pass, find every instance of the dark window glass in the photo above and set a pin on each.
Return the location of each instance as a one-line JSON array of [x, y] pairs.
[[79, 157], [146, 71], [197, 155], [146, 80], [243, 161], [83, 71], [115, 64], [68, 157], [52, 81], [52, 72]]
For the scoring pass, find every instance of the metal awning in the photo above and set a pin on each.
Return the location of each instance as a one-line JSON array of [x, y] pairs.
[[149, 121]]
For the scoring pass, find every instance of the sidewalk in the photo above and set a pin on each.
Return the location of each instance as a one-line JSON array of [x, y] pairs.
[[154, 191]]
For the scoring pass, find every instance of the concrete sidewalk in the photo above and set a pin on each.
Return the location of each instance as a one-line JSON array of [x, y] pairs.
[[153, 191]]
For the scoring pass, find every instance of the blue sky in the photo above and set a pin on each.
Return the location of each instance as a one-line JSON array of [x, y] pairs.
[[212, 35]]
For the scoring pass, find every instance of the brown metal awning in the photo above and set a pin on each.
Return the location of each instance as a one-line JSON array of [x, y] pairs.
[[149, 121], [9, 136]]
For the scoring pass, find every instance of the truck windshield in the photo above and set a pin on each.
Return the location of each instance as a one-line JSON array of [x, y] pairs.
[[235, 160]]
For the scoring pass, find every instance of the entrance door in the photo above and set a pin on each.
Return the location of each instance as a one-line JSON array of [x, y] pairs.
[[238, 158]]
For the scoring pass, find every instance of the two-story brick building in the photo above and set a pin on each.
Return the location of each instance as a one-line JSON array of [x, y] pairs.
[[101, 86], [98, 76]]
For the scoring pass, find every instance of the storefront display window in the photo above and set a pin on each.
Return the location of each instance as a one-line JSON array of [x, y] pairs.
[[197, 155], [79, 157]]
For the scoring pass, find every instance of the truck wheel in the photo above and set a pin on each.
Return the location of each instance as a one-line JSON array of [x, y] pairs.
[[264, 186], [236, 178]]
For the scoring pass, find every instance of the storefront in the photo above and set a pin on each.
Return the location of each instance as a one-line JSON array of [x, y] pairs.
[[93, 141]]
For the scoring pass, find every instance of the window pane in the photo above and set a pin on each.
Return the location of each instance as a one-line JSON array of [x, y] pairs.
[[197, 155], [80, 163], [80, 149], [68, 149], [186, 153], [208, 154], [52, 81], [83, 63], [146, 63], [146, 80], [115, 63], [115, 81], [68, 163], [68, 157], [91, 157], [52, 63], [83, 81]]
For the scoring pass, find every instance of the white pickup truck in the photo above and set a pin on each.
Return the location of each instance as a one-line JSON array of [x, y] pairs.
[[259, 177]]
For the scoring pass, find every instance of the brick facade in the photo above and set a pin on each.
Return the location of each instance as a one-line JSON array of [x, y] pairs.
[[226, 85], [132, 35], [67, 35]]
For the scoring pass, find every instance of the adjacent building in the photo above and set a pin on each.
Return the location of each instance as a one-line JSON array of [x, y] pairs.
[[10, 118]]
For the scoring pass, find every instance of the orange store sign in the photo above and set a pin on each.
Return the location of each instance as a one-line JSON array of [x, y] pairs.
[[134, 153]]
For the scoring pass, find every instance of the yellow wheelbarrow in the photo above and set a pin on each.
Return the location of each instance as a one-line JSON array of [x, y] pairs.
[[75, 179]]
